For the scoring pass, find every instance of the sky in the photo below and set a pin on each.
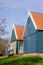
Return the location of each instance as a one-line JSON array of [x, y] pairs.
[[15, 12]]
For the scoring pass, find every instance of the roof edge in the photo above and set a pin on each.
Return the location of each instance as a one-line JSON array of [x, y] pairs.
[[36, 12], [32, 20], [15, 31]]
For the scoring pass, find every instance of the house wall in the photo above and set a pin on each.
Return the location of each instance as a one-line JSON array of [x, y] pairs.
[[30, 44], [13, 42], [40, 41], [30, 37], [6, 51], [13, 47], [30, 29]]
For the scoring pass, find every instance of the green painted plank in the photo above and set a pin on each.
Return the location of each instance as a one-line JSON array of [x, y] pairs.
[[17, 47], [13, 37]]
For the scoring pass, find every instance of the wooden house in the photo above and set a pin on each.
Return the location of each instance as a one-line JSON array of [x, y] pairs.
[[17, 40], [33, 36]]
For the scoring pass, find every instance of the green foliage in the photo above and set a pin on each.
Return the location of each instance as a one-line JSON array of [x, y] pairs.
[[21, 60]]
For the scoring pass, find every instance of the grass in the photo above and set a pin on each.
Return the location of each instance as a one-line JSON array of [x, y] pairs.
[[21, 60]]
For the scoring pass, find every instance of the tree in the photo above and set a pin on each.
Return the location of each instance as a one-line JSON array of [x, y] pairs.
[[3, 43], [2, 23], [3, 27], [3, 31]]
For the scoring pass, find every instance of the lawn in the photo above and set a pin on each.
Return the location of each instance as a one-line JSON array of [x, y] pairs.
[[21, 60]]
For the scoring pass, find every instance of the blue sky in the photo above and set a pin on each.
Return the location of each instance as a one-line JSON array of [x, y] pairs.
[[15, 11]]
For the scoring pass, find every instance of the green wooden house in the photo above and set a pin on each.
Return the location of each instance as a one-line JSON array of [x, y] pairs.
[[17, 40]]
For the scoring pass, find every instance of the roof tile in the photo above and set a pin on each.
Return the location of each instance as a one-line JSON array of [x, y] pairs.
[[19, 32], [38, 18]]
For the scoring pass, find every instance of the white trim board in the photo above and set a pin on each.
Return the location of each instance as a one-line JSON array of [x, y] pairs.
[[15, 31]]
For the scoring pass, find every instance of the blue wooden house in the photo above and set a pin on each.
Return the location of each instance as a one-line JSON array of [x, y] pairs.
[[33, 37]]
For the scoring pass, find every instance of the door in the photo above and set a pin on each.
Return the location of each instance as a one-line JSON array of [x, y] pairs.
[[20, 47]]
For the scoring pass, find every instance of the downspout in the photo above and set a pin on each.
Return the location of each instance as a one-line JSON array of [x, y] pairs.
[[37, 41], [37, 53]]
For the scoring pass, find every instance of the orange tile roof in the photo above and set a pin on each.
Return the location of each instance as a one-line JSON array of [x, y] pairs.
[[38, 18], [19, 32]]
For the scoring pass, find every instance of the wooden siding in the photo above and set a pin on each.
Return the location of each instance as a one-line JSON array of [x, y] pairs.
[[13, 47], [30, 37], [40, 41], [13, 37], [29, 28], [30, 44]]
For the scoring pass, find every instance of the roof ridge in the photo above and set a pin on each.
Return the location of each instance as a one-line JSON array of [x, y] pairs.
[[18, 25], [36, 12]]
